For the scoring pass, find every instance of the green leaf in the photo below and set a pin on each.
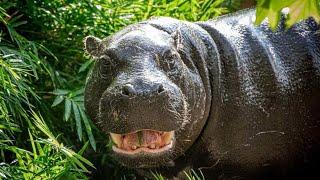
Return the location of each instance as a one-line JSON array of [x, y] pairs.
[[67, 109], [57, 101], [73, 159], [40, 123], [273, 17], [60, 92], [303, 9], [83, 160], [85, 66], [263, 3], [81, 151], [278, 5], [78, 120], [270, 9], [261, 14], [88, 129], [32, 144], [40, 150], [79, 99], [77, 92], [298, 10]]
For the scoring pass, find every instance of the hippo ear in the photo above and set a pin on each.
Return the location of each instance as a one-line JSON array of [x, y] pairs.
[[93, 46]]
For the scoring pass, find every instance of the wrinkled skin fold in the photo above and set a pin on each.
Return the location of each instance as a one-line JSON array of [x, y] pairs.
[[238, 100]]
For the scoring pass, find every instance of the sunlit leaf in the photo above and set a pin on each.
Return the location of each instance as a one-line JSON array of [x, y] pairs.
[[33, 145], [57, 100], [298, 10], [60, 92], [67, 109], [302, 9], [273, 17], [261, 14]]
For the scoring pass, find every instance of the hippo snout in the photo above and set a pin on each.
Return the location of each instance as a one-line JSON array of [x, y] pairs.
[[141, 104]]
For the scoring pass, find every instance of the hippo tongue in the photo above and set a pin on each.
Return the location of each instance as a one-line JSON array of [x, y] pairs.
[[151, 138], [145, 138]]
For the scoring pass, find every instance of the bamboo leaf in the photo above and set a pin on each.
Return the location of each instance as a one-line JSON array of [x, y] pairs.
[[83, 148], [83, 160], [32, 145], [78, 120], [88, 129], [67, 109], [77, 92], [57, 101], [60, 92]]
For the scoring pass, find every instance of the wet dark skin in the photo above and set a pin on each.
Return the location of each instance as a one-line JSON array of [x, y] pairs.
[[242, 101]]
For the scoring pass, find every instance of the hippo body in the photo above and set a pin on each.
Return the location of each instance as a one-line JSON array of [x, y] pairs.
[[252, 96]]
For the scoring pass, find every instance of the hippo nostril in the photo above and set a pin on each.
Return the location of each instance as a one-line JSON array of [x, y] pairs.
[[128, 90], [160, 88]]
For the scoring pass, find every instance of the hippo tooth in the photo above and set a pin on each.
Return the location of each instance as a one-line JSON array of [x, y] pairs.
[[152, 146], [134, 147], [167, 137], [116, 138]]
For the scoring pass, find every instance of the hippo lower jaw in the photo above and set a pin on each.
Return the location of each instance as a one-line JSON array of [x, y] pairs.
[[142, 141]]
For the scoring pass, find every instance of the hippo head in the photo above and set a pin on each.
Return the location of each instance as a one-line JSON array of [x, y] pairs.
[[147, 93]]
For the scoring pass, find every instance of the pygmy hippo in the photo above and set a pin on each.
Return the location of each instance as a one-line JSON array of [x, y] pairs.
[[225, 96]]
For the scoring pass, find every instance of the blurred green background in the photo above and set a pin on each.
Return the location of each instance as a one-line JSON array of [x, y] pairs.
[[44, 131]]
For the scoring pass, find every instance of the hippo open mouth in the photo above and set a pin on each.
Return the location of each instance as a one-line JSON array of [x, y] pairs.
[[147, 141]]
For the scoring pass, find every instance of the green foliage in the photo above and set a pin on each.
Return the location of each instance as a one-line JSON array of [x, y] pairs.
[[193, 175], [73, 102], [298, 10], [24, 73], [232, 4], [198, 9], [48, 158], [157, 176]]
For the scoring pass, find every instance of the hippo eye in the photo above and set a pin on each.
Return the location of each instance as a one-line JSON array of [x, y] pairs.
[[106, 66], [169, 60]]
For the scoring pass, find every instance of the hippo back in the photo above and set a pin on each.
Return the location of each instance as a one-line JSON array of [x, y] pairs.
[[269, 86]]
